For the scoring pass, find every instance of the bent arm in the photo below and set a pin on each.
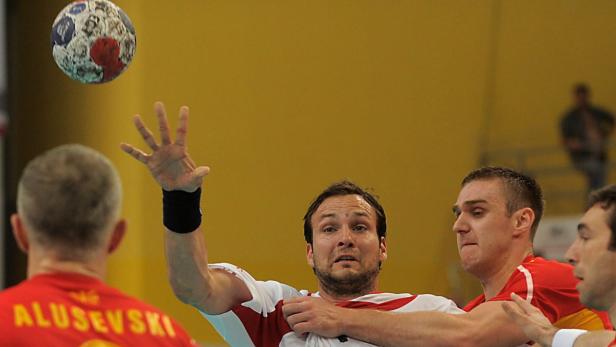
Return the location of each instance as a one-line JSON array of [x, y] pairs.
[[211, 291], [487, 325]]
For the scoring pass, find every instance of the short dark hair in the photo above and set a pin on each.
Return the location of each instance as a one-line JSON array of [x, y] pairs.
[[68, 197], [346, 188], [522, 190], [606, 198]]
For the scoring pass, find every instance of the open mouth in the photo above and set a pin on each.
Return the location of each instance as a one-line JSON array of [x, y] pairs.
[[345, 258], [468, 244]]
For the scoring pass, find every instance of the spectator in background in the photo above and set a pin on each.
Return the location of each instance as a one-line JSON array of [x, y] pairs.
[[585, 131]]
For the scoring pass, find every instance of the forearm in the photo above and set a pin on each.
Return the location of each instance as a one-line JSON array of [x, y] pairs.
[[211, 291], [185, 249], [186, 256], [595, 338], [485, 326], [412, 329]]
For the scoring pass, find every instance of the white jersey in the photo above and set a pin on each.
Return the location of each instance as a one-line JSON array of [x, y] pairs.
[[260, 321]]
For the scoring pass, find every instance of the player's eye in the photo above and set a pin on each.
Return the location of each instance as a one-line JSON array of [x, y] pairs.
[[477, 212], [328, 229], [360, 227]]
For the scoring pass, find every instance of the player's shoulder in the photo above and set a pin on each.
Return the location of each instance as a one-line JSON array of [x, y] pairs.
[[543, 271], [127, 301], [545, 268], [20, 290]]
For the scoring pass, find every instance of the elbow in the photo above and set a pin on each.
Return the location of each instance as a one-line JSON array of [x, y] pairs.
[[185, 292], [180, 291]]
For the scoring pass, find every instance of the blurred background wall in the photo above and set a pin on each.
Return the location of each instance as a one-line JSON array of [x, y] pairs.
[[404, 97]]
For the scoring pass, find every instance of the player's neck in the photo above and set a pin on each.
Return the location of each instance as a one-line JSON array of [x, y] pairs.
[[47, 263], [337, 297], [494, 282], [612, 313], [333, 298]]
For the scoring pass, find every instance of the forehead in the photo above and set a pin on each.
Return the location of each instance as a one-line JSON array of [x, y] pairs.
[[491, 190], [596, 218], [344, 204]]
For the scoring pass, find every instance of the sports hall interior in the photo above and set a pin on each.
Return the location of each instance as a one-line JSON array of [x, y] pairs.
[[286, 97]]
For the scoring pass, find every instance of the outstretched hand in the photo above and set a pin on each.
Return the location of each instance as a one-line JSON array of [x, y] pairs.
[[169, 161], [531, 320]]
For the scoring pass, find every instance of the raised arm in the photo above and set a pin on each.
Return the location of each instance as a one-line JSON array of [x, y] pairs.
[[211, 291]]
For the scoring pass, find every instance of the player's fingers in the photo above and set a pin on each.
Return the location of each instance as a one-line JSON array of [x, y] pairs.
[[201, 171], [290, 309], [522, 304], [512, 311], [163, 124], [146, 134], [293, 300], [180, 138], [302, 328], [134, 152], [297, 318], [190, 162]]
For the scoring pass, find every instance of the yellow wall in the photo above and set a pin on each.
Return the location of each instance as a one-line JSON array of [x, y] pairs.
[[543, 49], [289, 96]]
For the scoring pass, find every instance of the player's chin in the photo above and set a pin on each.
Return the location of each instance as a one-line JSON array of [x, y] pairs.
[[346, 266], [589, 299], [345, 272], [469, 264]]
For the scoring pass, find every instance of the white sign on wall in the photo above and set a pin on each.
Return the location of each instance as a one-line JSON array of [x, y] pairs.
[[555, 235]]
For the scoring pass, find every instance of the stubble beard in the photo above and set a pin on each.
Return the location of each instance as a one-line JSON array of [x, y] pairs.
[[348, 285]]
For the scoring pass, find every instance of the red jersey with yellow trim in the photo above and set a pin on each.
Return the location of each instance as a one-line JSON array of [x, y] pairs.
[[549, 286], [68, 309]]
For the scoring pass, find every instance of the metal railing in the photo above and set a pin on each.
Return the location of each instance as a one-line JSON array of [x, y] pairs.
[[564, 188]]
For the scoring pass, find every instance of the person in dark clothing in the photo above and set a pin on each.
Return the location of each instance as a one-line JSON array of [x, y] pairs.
[[585, 132]]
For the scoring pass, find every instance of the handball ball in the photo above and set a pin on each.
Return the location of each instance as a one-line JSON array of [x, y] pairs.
[[93, 41]]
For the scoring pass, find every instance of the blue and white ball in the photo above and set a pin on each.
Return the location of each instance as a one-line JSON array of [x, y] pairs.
[[93, 41]]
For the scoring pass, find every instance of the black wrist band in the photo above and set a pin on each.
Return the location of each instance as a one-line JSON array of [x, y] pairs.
[[181, 211]]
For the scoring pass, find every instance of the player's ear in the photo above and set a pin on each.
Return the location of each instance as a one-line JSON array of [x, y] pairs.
[[309, 255], [523, 221], [19, 232], [117, 235], [382, 249]]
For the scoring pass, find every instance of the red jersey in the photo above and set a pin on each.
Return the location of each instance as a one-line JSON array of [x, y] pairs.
[[68, 309], [549, 286], [612, 344]]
